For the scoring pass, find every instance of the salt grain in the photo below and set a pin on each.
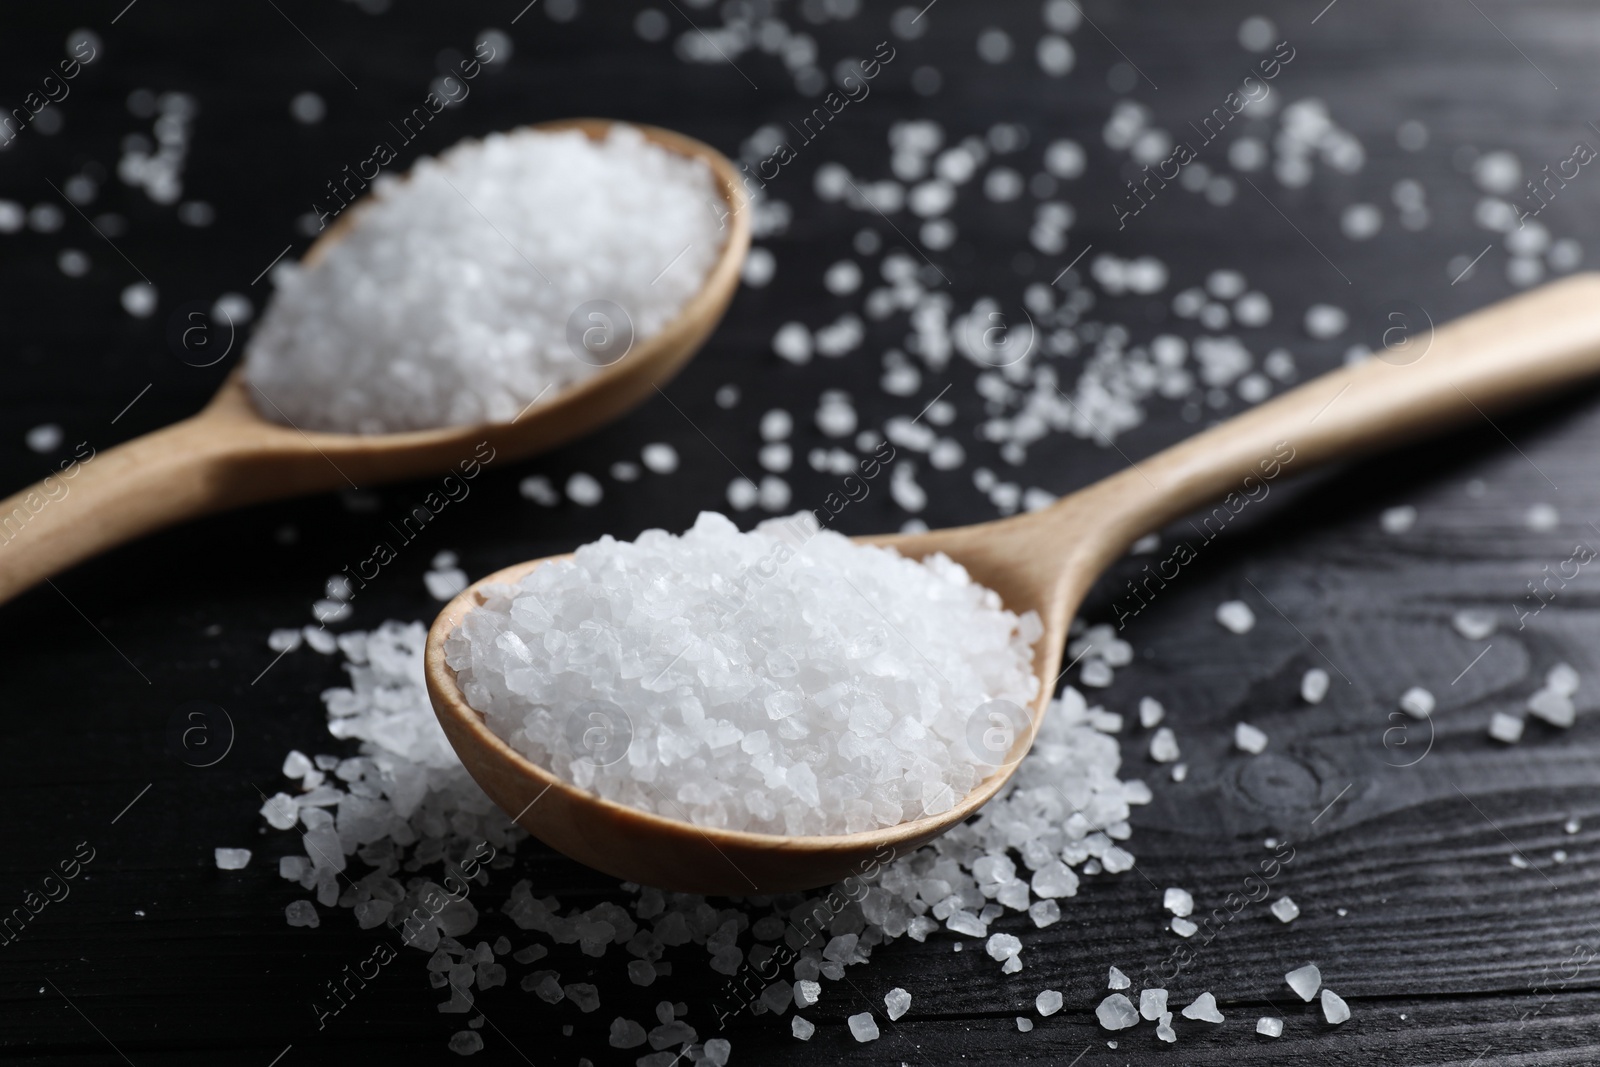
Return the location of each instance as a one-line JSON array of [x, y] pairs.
[[1117, 980], [1236, 616], [1334, 1009], [1249, 739], [1285, 910], [1048, 1002], [801, 1028], [1305, 981], [863, 1027], [1178, 901], [1314, 685], [1506, 728], [1152, 1004], [1184, 927], [1417, 702], [1203, 1009], [1268, 1026], [1116, 1012], [232, 859], [1473, 624], [1397, 520], [896, 1003]]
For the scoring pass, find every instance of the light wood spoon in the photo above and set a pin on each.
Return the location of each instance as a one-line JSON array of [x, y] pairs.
[[230, 454], [1045, 561]]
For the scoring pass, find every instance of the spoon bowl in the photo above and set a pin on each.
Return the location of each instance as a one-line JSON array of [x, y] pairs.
[[1046, 561], [230, 454]]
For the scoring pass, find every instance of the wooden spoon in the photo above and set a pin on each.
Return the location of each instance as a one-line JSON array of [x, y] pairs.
[[230, 454], [1045, 561]]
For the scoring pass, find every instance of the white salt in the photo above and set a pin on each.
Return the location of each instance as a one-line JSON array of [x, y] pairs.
[[1507, 728], [1183, 927], [302, 913], [863, 1027], [1048, 1002], [1003, 946], [1044, 913], [584, 490], [505, 267], [659, 457], [1285, 910], [444, 584], [802, 1028], [1562, 678], [1152, 1004], [1553, 706], [1542, 518], [1268, 1026], [1249, 739], [1164, 1029], [1116, 1012], [1236, 616], [1397, 520], [1150, 710], [896, 1003], [1164, 746], [1417, 702], [1334, 1009], [1178, 901], [1314, 685], [1117, 980], [1203, 1009], [46, 437], [1473, 624], [537, 488], [806, 993], [730, 675], [1305, 981], [232, 859]]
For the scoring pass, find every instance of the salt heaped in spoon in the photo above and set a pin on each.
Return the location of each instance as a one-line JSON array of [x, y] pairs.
[[785, 680]]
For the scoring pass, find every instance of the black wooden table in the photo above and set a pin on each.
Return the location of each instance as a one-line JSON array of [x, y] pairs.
[[1446, 950]]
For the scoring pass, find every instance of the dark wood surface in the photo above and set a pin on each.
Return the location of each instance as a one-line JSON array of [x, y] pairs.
[[1446, 952]]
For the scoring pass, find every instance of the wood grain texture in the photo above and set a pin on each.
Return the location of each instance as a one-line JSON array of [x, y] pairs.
[[1439, 925]]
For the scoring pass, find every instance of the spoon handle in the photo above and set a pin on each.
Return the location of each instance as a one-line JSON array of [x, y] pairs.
[[1428, 380], [99, 499]]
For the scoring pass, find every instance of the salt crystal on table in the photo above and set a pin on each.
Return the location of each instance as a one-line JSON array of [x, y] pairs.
[[1555, 708], [584, 995], [717, 1050], [1417, 702], [1398, 520], [1117, 980], [1236, 616], [802, 1028], [1543, 517], [1150, 712], [1572, 826], [625, 1033], [232, 859], [1519, 862], [1473, 625], [1044, 913], [896, 1003], [863, 1027], [302, 913], [466, 1042], [1012, 965], [1024, 1024], [1203, 1009], [1184, 927], [1249, 739], [537, 488], [1314, 685], [1334, 1009], [584, 490], [1507, 728], [806, 993], [1285, 909], [1562, 678], [659, 457], [1164, 1029], [1269, 1027], [1305, 981], [1116, 1012], [1048, 1002], [284, 640], [1178, 901], [1152, 1004], [1164, 746], [445, 584]]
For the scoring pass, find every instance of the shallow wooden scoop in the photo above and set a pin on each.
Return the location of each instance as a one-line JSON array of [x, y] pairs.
[[231, 454], [1045, 561]]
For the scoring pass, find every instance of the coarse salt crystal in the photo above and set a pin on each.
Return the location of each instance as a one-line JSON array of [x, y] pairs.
[[1305, 981], [1116, 1012], [1178, 901], [1236, 616], [1249, 739], [863, 1027], [232, 859], [1115, 979], [1285, 910], [1417, 702], [1152, 1004], [1334, 1009], [1269, 1026], [1506, 728], [896, 1003], [1314, 685], [1048, 1002], [1203, 1009]]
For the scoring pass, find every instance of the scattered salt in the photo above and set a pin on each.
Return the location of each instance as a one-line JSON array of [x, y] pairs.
[[1236, 616], [1334, 1009], [1398, 520], [1116, 1012], [896, 1003], [1285, 910], [1249, 739], [1184, 927], [232, 859], [863, 1027], [1164, 746], [1472, 624], [1507, 728], [1117, 980], [1178, 901], [1314, 685], [1417, 702], [1203, 1009], [1048, 1002], [1305, 981], [1152, 1004], [1269, 1026], [802, 1028]]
